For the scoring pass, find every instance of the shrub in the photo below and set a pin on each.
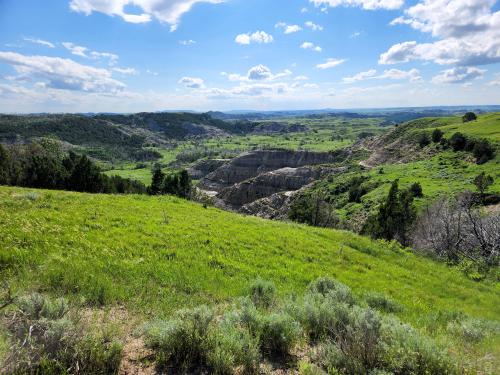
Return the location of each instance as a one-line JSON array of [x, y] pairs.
[[45, 340], [262, 293], [483, 151], [380, 302], [458, 142], [416, 190], [423, 140], [406, 352], [437, 135], [280, 333]]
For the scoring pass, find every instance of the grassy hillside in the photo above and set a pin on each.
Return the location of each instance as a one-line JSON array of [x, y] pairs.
[[155, 255], [158, 254]]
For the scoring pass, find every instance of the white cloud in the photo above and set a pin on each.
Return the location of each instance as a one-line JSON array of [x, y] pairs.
[[310, 46], [413, 75], [168, 11], [311, 86], [468, 33], [128, 71], [458, 75], [495, 81], [76, 50], [40, 42], [192, 82], [86, 53], [187, 42], [313, 26], [288, 29], [355, 34], [257, 73], [330, 63], [256, 37], [65, 74], [360, 76], [304, 10], [301, 78], [152, 73], [365, 4]]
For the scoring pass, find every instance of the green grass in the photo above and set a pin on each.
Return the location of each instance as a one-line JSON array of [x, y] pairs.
[[161, 253], [156, 255]]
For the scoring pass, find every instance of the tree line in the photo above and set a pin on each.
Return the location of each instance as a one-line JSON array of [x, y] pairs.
[[43, 164]]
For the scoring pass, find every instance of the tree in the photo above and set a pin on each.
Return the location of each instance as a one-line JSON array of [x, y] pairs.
[[483, 182], [423, 140], [437, 135], [469, 116], [416, 190], [157, 181], [4, 166], [394, 217]]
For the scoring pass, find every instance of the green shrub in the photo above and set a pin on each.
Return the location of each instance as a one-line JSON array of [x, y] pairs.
[[184, 341], [472, 330], [46, 340], [334, 289], [280, 333], [262, 293], [381, 302], [406, 352]]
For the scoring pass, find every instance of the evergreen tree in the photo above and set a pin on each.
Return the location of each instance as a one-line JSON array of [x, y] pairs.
[[483, 182], [157, 181], [4, 166]]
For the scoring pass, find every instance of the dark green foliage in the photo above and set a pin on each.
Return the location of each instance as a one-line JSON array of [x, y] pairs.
[[458, 141], [469, 116], [313, 209], [483, 151], [262, 293], [47, 340], [394, 217], [416, 190], [437, 135], [483, 182], [381, 302], [43, 165], [423, 140], [157, 181], [177, 183]]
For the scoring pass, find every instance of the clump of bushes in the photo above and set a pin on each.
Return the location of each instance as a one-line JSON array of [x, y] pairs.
[[46, 339], [481, 149], [344, 337], [381, 302]]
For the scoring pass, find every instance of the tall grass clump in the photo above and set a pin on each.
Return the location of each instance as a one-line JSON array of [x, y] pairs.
[[262, 293], [46, 339], [382, 303]]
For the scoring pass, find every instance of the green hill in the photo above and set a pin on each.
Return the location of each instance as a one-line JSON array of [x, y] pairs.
[[155, 255]]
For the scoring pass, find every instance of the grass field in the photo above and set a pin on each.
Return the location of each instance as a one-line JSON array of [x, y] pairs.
[[155, 255]]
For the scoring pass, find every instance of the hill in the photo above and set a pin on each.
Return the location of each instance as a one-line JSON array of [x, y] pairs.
[[155, 255]]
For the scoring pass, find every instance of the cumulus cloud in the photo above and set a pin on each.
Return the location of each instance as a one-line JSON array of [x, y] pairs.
[[315, 27], [255, 37], [413, 75], [257, 73], [330, 63], [311, 46], [365, 4], [288, 29], [167, 11], [128, 71], [40, 42], [192, 82], [187, 42], [65, 74], [301, 78], [88, 54], [468, 33], [495, 81], [458, 75]]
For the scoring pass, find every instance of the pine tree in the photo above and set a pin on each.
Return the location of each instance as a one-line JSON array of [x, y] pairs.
[[157, 181]]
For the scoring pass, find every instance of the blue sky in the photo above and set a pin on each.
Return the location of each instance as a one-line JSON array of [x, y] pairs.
[[148, 55]]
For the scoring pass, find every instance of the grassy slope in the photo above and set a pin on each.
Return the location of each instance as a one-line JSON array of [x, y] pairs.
[[159, 254]]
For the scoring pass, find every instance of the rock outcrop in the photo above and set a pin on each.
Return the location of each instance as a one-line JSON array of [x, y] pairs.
[[254, 163], [204, 167], [269, 183], [274, 207]]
